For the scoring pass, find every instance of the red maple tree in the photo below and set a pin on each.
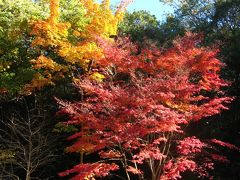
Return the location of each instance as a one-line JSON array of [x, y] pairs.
[[137, 114]]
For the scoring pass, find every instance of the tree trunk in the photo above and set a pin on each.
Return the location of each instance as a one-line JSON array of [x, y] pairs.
[[28, 176]]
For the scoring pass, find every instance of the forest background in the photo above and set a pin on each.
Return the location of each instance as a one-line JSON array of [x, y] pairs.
[[60, 60]]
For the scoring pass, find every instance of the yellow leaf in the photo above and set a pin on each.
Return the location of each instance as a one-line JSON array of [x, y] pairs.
[[97, 76]]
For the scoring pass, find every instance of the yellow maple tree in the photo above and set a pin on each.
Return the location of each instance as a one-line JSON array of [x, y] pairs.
[[52, 35]]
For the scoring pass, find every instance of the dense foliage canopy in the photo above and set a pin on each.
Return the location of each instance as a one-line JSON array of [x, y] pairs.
[[133, 95]]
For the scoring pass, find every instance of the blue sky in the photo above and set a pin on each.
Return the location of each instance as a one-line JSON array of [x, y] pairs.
[[153, 6]]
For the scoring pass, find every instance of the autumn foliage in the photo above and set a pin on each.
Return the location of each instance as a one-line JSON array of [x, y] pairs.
[[135, 100], [53, 46], [65, 48], [137, 114]]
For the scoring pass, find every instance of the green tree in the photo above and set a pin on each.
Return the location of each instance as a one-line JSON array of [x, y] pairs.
[[144, 28], [139, 25], [170, 29]]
